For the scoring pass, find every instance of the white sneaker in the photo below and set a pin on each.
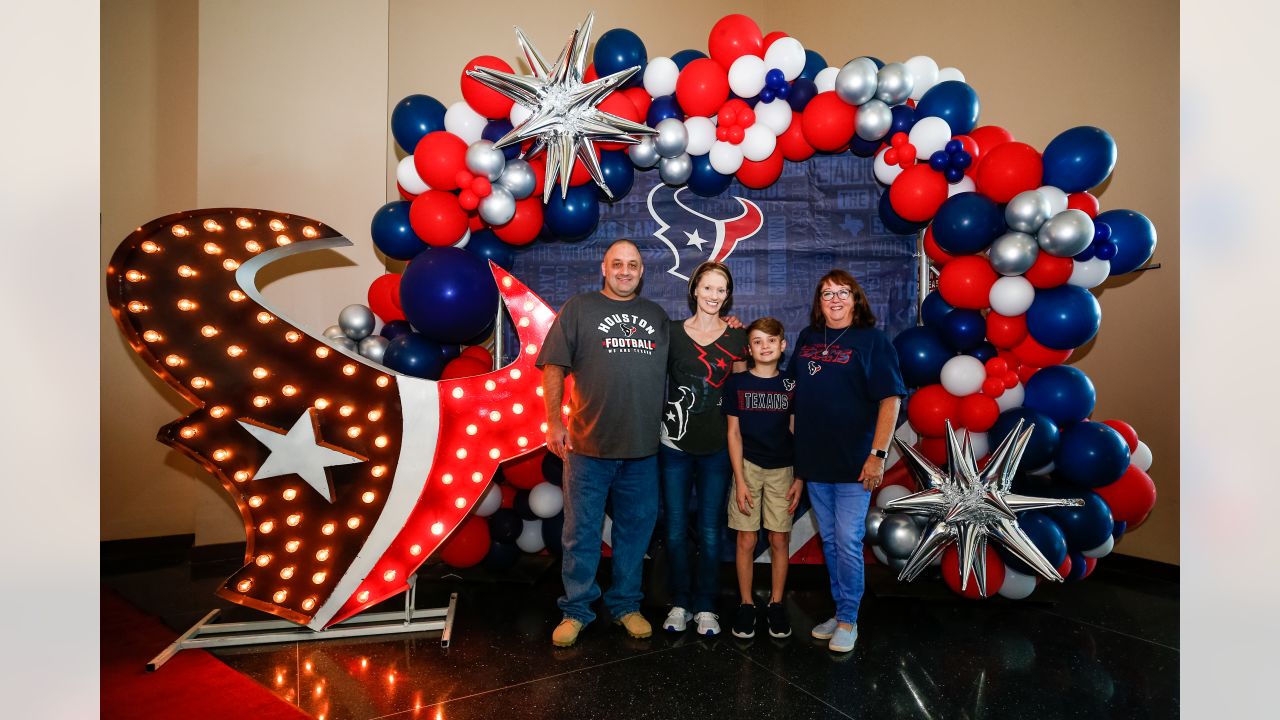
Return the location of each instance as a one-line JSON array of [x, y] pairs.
[[677, 620], [708, 624], [824, 631]]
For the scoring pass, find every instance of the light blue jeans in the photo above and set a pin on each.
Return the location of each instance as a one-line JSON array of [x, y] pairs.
[[840, 510]]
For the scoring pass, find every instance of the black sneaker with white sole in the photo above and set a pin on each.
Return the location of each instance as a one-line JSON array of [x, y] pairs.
[[744, 622], [777, 617]]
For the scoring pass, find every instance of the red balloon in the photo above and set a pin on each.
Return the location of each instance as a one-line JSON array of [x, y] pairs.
[[1065, 568], [405, 193], [934, 449], [524, 226], [508, 496], [525, 471], [1036, 355], [827, 123], [951, 573], [479, 353], [792, 143], [1009, 169], [929, 407], [437, 218], [735, 133], [475, 222], [468, 544], [590, 73], [1025, 372], [978, 412], [1011, 379], [966, 281], [384, 297], [1004, 331], [761, 174], [615, 103], [996, 367], [1049, 271], [702, 87], [463, 366], [993, 387], [771, 37], [1131, 497], [1084, 202], [1089, 564], [438, 158], [732, 37], [987, 138], [917, 193], [488, 102], [1126, 431], [939, 256], [639, 97]]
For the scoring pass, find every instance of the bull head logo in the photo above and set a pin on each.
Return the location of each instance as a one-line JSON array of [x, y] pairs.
[[347, 475], [686, 231]]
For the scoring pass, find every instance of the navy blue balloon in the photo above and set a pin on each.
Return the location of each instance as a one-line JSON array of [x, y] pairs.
[[863, 148], [574, 217], [502, 556], [1087, 253], [879, 63], [964, 329], [1063, 318], [775, 79], [413, 354], [552, 530], [449, 351], [1062, 392], [705, 181], [953, 101], [934, 309], [1079, 159], [767, 94], [481, 337], [1079, 566], [505, 525], [414, 117], [448, 294], [552, 468], [392, 233], [938, 161], [893, 222], [1085, 527], [1134, 237], [967, 222], [495, 130], [684, 57], [904, 118], [1045, 534], [662, 108], [1121, 526], [1044, 440], [921, 355], [487, 245], [618, 50], [813, 64], [1105, 249], [619, 172], [521, 505], [984, 352], [802, 91], [1090, 455], [395, 329]]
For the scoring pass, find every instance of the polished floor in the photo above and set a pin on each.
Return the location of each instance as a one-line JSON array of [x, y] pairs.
[[1106, 647]]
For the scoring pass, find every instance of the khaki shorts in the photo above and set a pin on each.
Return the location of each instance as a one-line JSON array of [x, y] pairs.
[[768, 490]]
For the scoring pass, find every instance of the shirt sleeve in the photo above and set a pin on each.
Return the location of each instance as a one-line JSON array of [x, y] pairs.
[[792, 354], [729, 398], [561, 341], [885, 377]]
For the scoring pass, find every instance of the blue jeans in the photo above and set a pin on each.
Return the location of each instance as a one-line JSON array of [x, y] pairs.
[[840, 510], [587, 484], [708, 478]]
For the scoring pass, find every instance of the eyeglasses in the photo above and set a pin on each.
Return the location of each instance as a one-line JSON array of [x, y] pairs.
[[830, 295]]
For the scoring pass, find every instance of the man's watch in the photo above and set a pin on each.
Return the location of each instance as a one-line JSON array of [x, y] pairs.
[[882, 454]]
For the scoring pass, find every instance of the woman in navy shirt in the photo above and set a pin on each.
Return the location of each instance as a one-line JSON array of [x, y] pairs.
[[848, 389]]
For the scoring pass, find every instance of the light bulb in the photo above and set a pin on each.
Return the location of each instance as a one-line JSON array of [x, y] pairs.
[[477, 476], [495, 416], [495, 453], [149, 247], [292, 546], [531, 349], [187, 432], [490, 385], [152, 336], [134, 276], [319, 577], [522, 441], [275, 225], [263, 560], [472, 429], [289, 391], [375, 415], [321, 403], [460, 503], [383, 381], [378, 470], [217, 411], [447, 478], [415, 550], [515, 373], [308, 603], [266, 527], [244, 223], [353, 522], [253, 246], [241, 475], [368, 497], [179, 231], [293, 520], [261, 401], [292, 336], [221, 454], [255, 501], [322, 554], [348, 369], [346, 410], [362, 596], [524, 322], [260, 373], [186, 305], [457, 393], [309, 232], [212, 248], [172, 360], [543, 427], [286, 572], [212, 225], [283, 240], [289, 494], [200, 383], [506, 281], [538, 391], [208, 331], [265, 317], [136, 306], [462, 453], [437, 528], [230, 264], [280, 596], [235, 350], [322, 352], [380, 441], [236, 296], [389, 575], [328, 528], [517, 408], [244, 585]]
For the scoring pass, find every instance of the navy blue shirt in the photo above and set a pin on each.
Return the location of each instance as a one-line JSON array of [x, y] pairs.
[[837, 399], [763, 408]]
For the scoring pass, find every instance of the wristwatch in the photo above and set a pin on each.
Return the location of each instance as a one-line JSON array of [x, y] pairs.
[[882, 454]]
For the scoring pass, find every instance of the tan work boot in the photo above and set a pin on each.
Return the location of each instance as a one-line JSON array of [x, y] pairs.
[[635, 625], [566, 633]]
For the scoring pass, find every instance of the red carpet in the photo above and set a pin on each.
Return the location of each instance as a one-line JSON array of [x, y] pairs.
[[193, 685]]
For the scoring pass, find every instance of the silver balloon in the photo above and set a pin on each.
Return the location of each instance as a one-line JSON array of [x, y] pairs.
[[1066, 233], [856, 81], [499, 207], [894, 84], [518, 177], [898, 535], [374, 347], [484, 159], [334, 331], [344, 342], [673, 138], [1013, 253], [874, 517], [1027, 211], [676, 170], [356, 321], [873, 120], [897, 564], [644, 154]]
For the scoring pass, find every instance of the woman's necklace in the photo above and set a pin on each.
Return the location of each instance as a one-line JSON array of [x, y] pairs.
[[827, 345]]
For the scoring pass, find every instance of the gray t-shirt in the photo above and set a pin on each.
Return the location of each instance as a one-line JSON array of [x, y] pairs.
[[616, 352]]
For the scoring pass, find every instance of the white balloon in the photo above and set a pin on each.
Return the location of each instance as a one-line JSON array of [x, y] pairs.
[[466, 238], [1011, 296], [519, 114], [464, 122], [660, 76], [963, 375], [702, 135], [787, 55], [1011, 398], [981, 444], [907, 434], [1102, 550], [725, 158], [758, 143], [1091, 273], [950, 73], [884, 172], [775, 115], [925, 71], [746, 76], [546, 500], [530, 539], [1016, 586], [1142, 457], [1057, 198], [407, 176], [966, 184], [890, 492], [490, 502], [826, 79], [929, 135]]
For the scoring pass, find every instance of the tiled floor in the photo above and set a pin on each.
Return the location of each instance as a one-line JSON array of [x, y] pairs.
[[1105, 647]]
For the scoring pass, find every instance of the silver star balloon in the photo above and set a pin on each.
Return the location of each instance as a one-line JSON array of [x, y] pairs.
[[563, 120], [969, 506]]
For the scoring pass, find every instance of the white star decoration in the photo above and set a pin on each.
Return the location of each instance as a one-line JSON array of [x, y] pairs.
[[968, 506], [564, 119], [300, 451], [695, 239]]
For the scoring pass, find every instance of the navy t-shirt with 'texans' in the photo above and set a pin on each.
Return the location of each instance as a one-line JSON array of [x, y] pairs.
[[763, 408]]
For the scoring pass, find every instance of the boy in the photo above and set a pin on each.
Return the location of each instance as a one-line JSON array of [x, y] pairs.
[[757, 404]]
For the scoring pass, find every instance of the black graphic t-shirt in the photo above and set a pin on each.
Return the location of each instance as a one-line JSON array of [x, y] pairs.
[[763, 408], [696, 374], [616, 353]]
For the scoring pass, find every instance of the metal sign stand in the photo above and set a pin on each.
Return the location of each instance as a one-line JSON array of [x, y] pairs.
[[207, 634]]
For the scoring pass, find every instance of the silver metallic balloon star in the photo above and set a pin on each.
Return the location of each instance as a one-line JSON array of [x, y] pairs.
[[564, 119], [969, 506]]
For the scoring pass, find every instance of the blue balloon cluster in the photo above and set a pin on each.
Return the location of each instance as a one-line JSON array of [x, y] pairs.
[[775, 86], [953, 101], [951, 161], [662, 108], [1091, 455], [1064, 317], [1062, 392], [1134, 237], [1079, 159], [617, 50], [414, 117], [921, 354], [448, 294], [967, 222], [392, 234]]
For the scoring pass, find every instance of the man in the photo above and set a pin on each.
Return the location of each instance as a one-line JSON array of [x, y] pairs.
[[614, 343]]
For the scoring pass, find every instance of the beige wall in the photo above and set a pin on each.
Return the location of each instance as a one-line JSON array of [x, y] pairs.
[[1038, 68]]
